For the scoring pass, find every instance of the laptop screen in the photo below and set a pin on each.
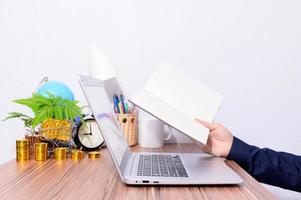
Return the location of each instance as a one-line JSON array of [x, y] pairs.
[[103, 111]]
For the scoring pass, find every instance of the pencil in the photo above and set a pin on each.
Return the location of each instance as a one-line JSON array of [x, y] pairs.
[[120, 108]]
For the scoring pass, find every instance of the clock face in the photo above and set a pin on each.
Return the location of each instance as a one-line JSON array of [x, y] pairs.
[[89, 134]]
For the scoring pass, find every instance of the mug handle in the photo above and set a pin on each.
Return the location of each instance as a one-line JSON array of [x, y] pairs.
[[169, 132]]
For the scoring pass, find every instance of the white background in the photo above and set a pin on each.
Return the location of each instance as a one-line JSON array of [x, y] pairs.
[[250, 51]]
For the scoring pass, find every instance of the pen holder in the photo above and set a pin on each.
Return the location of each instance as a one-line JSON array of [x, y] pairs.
[[128, 123]]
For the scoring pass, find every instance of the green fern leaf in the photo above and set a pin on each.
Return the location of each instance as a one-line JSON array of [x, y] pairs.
[[48, 107]]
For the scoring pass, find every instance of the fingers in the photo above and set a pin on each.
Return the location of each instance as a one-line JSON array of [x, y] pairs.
[[208, 146], [208, 125]]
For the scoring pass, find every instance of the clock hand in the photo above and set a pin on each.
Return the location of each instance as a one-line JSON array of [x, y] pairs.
[[90, 129]]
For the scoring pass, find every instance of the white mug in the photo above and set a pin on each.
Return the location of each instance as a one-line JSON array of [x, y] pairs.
[[151, 131]]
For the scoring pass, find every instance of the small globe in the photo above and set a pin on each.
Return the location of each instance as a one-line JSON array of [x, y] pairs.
[[56, 88]]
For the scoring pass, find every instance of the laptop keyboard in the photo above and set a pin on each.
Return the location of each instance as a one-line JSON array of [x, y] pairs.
[[161, 165]]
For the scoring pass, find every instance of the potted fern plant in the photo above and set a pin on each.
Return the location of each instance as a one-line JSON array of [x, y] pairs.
[[53, 115]]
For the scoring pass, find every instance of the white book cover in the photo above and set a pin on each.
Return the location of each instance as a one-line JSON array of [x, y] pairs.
[[178, 99]]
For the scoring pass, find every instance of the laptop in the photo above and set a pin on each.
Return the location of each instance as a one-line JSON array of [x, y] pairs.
[[148, 168]]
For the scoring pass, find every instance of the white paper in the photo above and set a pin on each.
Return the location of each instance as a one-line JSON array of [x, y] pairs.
[[177, 99]]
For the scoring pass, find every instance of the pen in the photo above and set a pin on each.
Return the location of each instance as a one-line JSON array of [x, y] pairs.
[[120, 108], [122, 103], [116, 101], [126, 107]]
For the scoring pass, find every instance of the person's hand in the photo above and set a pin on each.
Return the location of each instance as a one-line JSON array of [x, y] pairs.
[[220, 139]]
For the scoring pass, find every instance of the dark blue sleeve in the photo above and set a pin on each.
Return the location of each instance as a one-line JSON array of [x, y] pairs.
[[267, 166]]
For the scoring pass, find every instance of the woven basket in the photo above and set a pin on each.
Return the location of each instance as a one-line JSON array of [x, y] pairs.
[[128, 123], [56, 129]]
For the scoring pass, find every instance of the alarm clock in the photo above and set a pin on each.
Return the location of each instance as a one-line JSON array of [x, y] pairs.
[[88, 135]]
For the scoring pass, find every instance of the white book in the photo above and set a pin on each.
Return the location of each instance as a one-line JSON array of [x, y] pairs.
[[178, 99]]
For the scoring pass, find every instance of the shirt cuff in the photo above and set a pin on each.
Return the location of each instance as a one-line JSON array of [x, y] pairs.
[[240, 151]]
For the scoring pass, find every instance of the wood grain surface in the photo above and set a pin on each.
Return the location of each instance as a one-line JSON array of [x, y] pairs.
[[98, 179]]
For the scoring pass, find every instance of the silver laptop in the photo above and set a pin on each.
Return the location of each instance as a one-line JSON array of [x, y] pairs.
[[145, 168]]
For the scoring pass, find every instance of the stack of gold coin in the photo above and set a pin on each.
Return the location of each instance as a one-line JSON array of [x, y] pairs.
[[94, 155], [60, 153], [77, 155], [22, 150], [40, 151]]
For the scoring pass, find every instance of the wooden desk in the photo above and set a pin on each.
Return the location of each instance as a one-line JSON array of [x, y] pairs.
[[99, 179]]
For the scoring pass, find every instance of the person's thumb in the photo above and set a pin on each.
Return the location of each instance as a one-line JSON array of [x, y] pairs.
[[208, 125]]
